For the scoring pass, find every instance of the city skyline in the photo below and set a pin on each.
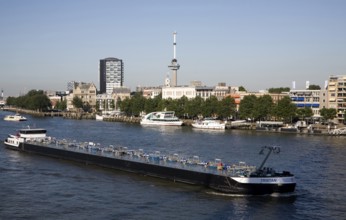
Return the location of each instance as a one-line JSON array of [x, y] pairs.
[[255, 44]]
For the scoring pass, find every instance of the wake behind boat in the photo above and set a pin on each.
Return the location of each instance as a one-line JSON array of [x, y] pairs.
[[16, 117], [223, 177], [166, 118], [209, 124]]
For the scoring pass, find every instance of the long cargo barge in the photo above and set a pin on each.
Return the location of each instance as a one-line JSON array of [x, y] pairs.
[[231, 179]]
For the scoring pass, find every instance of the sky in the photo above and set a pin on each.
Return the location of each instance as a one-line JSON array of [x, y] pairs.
[[44, 44]]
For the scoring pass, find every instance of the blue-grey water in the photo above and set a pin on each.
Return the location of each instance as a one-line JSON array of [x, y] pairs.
[[37, 187]]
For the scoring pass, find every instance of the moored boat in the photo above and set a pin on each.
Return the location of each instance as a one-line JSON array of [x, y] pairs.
[[227, 178], [166, 118], [16, 117], [99, 117], [209, 124]]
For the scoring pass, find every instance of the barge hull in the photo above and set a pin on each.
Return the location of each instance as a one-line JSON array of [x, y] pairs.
[[221, 183]]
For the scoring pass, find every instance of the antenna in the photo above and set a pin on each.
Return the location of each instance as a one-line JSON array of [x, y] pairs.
[[174, 45]]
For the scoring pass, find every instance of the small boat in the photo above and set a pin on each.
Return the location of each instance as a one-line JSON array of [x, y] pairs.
[[209, 124], [226, 178], [16, 117], [99, 117], [161, 118]]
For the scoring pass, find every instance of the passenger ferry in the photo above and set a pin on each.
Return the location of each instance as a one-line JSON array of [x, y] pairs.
[[226, 178], [166, 118]]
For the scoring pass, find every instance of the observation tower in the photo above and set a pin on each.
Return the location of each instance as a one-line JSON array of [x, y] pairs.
[[174, 63]]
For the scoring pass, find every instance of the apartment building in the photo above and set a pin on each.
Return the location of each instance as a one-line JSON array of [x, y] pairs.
[[337, 95]]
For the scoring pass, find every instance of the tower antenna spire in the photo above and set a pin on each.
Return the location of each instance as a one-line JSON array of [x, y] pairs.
[[174, 45]]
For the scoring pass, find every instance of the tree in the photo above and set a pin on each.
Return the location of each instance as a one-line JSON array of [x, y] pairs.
[[11, 101], [149, 105], [117, 103], [181, 108], [285, 109], [112, 104], [61, 105], [39, 102], [227, 107], [246, 107], [125, 106], [33, 100], [195, 107], [328, 113], [86, 107], [210, 107], [304, 113], [242, 89], [314, 87], [279, 90], [137, 104], [77, 102], [263, 107]]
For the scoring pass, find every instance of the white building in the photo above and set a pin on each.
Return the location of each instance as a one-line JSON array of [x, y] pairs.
[[178, 92], [313, 99]]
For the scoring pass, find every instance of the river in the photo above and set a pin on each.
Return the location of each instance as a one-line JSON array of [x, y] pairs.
[[38, 187]]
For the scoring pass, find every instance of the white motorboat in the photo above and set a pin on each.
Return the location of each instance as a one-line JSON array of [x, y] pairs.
[[209, 124], [161, 118], [16, 117], [99, 117]]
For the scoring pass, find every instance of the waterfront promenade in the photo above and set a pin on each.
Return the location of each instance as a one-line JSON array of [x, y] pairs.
[[316, 129]]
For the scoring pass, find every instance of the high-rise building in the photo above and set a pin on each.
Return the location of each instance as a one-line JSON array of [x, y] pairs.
[[337, 95], [111, 74]]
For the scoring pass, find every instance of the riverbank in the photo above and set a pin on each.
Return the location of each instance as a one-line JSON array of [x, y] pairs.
[[69, 115], [315, 129]]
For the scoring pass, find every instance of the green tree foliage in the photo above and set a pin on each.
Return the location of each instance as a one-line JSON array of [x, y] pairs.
[[61, 105], [11, 101], [247, 107], [227, 107], [279, 90], [137, 104], [112, 104], [77, 102], [328, 113], [242, 89], [314, 87], [87, 107], [211, 106], [182, 107], [285, 109], [304, 113], [263, 108], [149, 105], [194, 107], [125, 106], [33, 100]]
